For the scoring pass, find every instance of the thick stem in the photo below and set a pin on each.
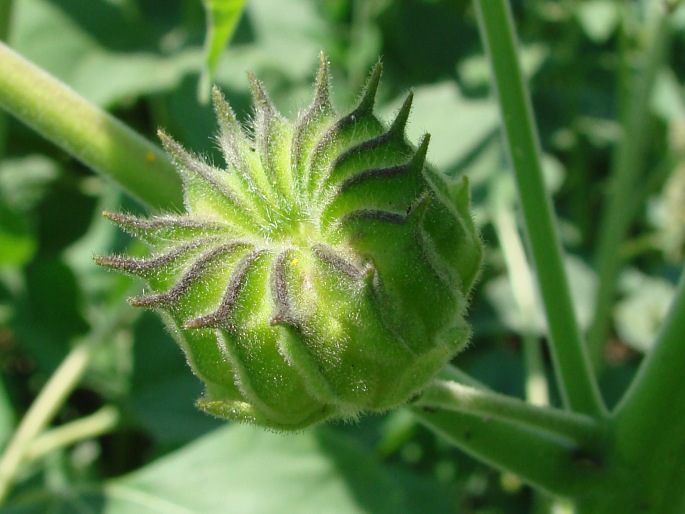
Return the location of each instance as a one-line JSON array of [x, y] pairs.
[[651, 412], [620, 210], [552, 463], [452, 396], [571, 363], [94, 137]]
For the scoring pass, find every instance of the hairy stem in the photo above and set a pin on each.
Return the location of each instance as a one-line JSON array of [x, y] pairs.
[[94, 137], [459, 398], [552, 463], [571, 363]]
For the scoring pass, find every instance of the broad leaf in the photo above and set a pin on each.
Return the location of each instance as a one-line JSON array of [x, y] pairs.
[[242, 470]]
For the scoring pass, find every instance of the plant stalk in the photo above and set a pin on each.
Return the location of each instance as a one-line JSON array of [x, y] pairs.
[[91, 135], [456, 397], [651, 409], [553, 464], [577, 382]]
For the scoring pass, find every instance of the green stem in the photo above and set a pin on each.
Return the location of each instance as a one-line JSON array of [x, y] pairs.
[[101, 422], [554, 464], [648, 429], [42, 410], [94, 137], [652, 408], [577, 383], [620, 211], [467, 400]]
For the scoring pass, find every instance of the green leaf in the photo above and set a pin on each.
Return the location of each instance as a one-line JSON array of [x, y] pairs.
[[101, 53], [222, 19], [17, 241], [233, 467], [50, 314], [23, 183], [242, 470]]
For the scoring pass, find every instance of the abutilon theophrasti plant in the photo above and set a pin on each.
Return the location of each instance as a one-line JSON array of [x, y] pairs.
[[323, 273]]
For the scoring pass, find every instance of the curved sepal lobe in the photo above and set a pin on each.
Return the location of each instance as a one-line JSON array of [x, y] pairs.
[[323, 272]]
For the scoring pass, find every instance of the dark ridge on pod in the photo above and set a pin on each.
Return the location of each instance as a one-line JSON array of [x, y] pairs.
[[197, 166], [365, 146], [279, 289], [264, 115], [128, 221], [395, 130], [219, 317], [259, 95], [232, 139], [377, 215], [320, 104], [193, 274], [136, 266], [364, 107], [228, 123], [389, 172], [330, 256], [417, 162]]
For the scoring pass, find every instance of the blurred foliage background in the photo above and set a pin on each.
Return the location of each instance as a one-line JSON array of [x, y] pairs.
[[141, 60]]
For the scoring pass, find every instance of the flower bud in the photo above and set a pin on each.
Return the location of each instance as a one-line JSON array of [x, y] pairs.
[[323, 273]]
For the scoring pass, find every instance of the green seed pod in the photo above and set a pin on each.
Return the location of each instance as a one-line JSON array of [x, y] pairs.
[[325, 272]]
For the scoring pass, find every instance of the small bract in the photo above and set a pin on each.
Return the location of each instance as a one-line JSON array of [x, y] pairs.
[[323, 273]]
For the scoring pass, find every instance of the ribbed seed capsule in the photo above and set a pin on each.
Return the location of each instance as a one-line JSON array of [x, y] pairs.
[[325, 272]]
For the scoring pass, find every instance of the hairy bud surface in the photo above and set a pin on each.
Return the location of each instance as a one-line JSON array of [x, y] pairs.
[[323, 273]]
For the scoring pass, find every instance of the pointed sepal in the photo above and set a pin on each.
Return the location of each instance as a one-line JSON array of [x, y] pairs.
[[322, 273]]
